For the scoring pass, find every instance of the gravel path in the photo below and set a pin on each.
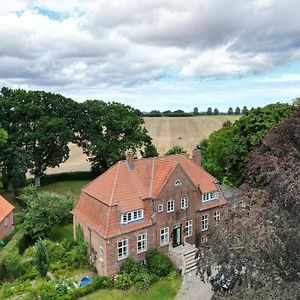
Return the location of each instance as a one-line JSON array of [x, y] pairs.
[[193, 288]]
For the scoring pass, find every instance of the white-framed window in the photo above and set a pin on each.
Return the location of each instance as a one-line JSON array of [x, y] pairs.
[[101, 252], [141, 241], [210, 196], [188, 228], [205, 222], [160, 207], [164, 236], [132, 216], [5, 221], [184, 202], [204, 239], [122, 249], [217, 216], [177, 182], [170, 206]]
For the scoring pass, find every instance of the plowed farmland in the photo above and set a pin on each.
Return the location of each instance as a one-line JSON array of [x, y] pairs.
[[166, 133]]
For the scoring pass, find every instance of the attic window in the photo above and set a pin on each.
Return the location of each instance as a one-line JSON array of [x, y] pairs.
[[177, 182], [210, 196], [132, 216]]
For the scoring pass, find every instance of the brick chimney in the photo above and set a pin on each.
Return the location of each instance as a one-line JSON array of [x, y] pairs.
[[197, 156], [130, 159]]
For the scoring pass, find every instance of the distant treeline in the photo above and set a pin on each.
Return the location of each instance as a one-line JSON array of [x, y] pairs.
[[180, 113]]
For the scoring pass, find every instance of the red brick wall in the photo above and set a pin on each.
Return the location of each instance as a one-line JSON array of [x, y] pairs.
[[112, 248], [179, 216], [5, 230]]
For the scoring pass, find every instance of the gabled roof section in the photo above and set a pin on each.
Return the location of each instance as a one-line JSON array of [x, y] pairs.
[[201, 178], [5, 208], [127, 188]]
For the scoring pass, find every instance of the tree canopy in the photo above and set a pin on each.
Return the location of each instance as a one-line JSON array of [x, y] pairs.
[[176, 150], [106, 130], [39, 126], [263, 240], [226, 151], [45, 210]]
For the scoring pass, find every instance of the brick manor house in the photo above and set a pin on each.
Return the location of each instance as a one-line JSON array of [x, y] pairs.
[[141, 204]]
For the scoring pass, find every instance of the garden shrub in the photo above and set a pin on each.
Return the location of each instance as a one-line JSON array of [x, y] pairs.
[[158, 263], [123, 282], [144, 280], [132, 268], [11, 266]]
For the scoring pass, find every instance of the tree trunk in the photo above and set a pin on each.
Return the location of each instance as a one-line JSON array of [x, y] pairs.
[[37, 181]]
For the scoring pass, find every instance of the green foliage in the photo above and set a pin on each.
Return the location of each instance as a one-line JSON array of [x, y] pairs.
[[176, 150], [150, 151], [41, 259], [237, 111], [216, 111], [3, 136], [158, 263], [52, 178], [106, 130], [44, 211], [123, 281], [138, 274], [209, 111], [244, 110], [226, 151], [39, 126], [230, 111], [10, 265]]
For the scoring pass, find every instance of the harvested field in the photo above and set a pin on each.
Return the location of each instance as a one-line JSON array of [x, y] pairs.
[[166, 132]]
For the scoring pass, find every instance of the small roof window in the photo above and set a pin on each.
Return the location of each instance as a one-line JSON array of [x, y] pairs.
[[177, 182]]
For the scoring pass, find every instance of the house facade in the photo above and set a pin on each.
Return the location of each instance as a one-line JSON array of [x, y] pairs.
[[6, 218], [141, 204]]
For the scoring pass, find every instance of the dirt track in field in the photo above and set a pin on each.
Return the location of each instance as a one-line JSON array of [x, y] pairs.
[[166, 132]]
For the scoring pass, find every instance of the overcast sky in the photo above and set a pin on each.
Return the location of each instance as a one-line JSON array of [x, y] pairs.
[[156, 54]]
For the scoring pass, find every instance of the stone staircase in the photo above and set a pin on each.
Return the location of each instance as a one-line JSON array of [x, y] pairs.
[[187, 254]]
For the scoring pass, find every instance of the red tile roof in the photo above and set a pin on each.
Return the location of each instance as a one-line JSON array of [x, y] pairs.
[[120, 190], [5, 208]]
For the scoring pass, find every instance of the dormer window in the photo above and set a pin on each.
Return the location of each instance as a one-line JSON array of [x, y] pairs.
[[132, 216], [177, 182], [210, 196]]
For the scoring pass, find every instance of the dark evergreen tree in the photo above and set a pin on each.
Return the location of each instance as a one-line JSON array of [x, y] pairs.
[[42, 261]]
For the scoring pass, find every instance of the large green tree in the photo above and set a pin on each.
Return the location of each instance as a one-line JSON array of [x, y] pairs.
[[106, 130], [226, 151], [44, 210], [40, 125], [3, 136], [263, 239]]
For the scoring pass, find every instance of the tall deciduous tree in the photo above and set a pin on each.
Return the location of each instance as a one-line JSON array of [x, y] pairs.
[[244, 110], [209, 111], [39, 126], [230, 111], [3, 136], [106, 130], [216, 111], [237, 111], [195, 111], [226, 151]]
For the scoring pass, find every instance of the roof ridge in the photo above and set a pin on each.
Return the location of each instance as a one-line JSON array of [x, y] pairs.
[[115, 183]]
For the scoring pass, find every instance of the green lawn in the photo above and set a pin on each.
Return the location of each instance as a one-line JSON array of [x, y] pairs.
[[71, 186], [165, 289]]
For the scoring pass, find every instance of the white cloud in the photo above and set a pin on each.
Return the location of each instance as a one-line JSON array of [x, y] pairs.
[[284, 78], [130, 45]]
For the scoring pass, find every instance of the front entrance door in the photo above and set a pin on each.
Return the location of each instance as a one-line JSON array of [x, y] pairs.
[[176, 235]]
